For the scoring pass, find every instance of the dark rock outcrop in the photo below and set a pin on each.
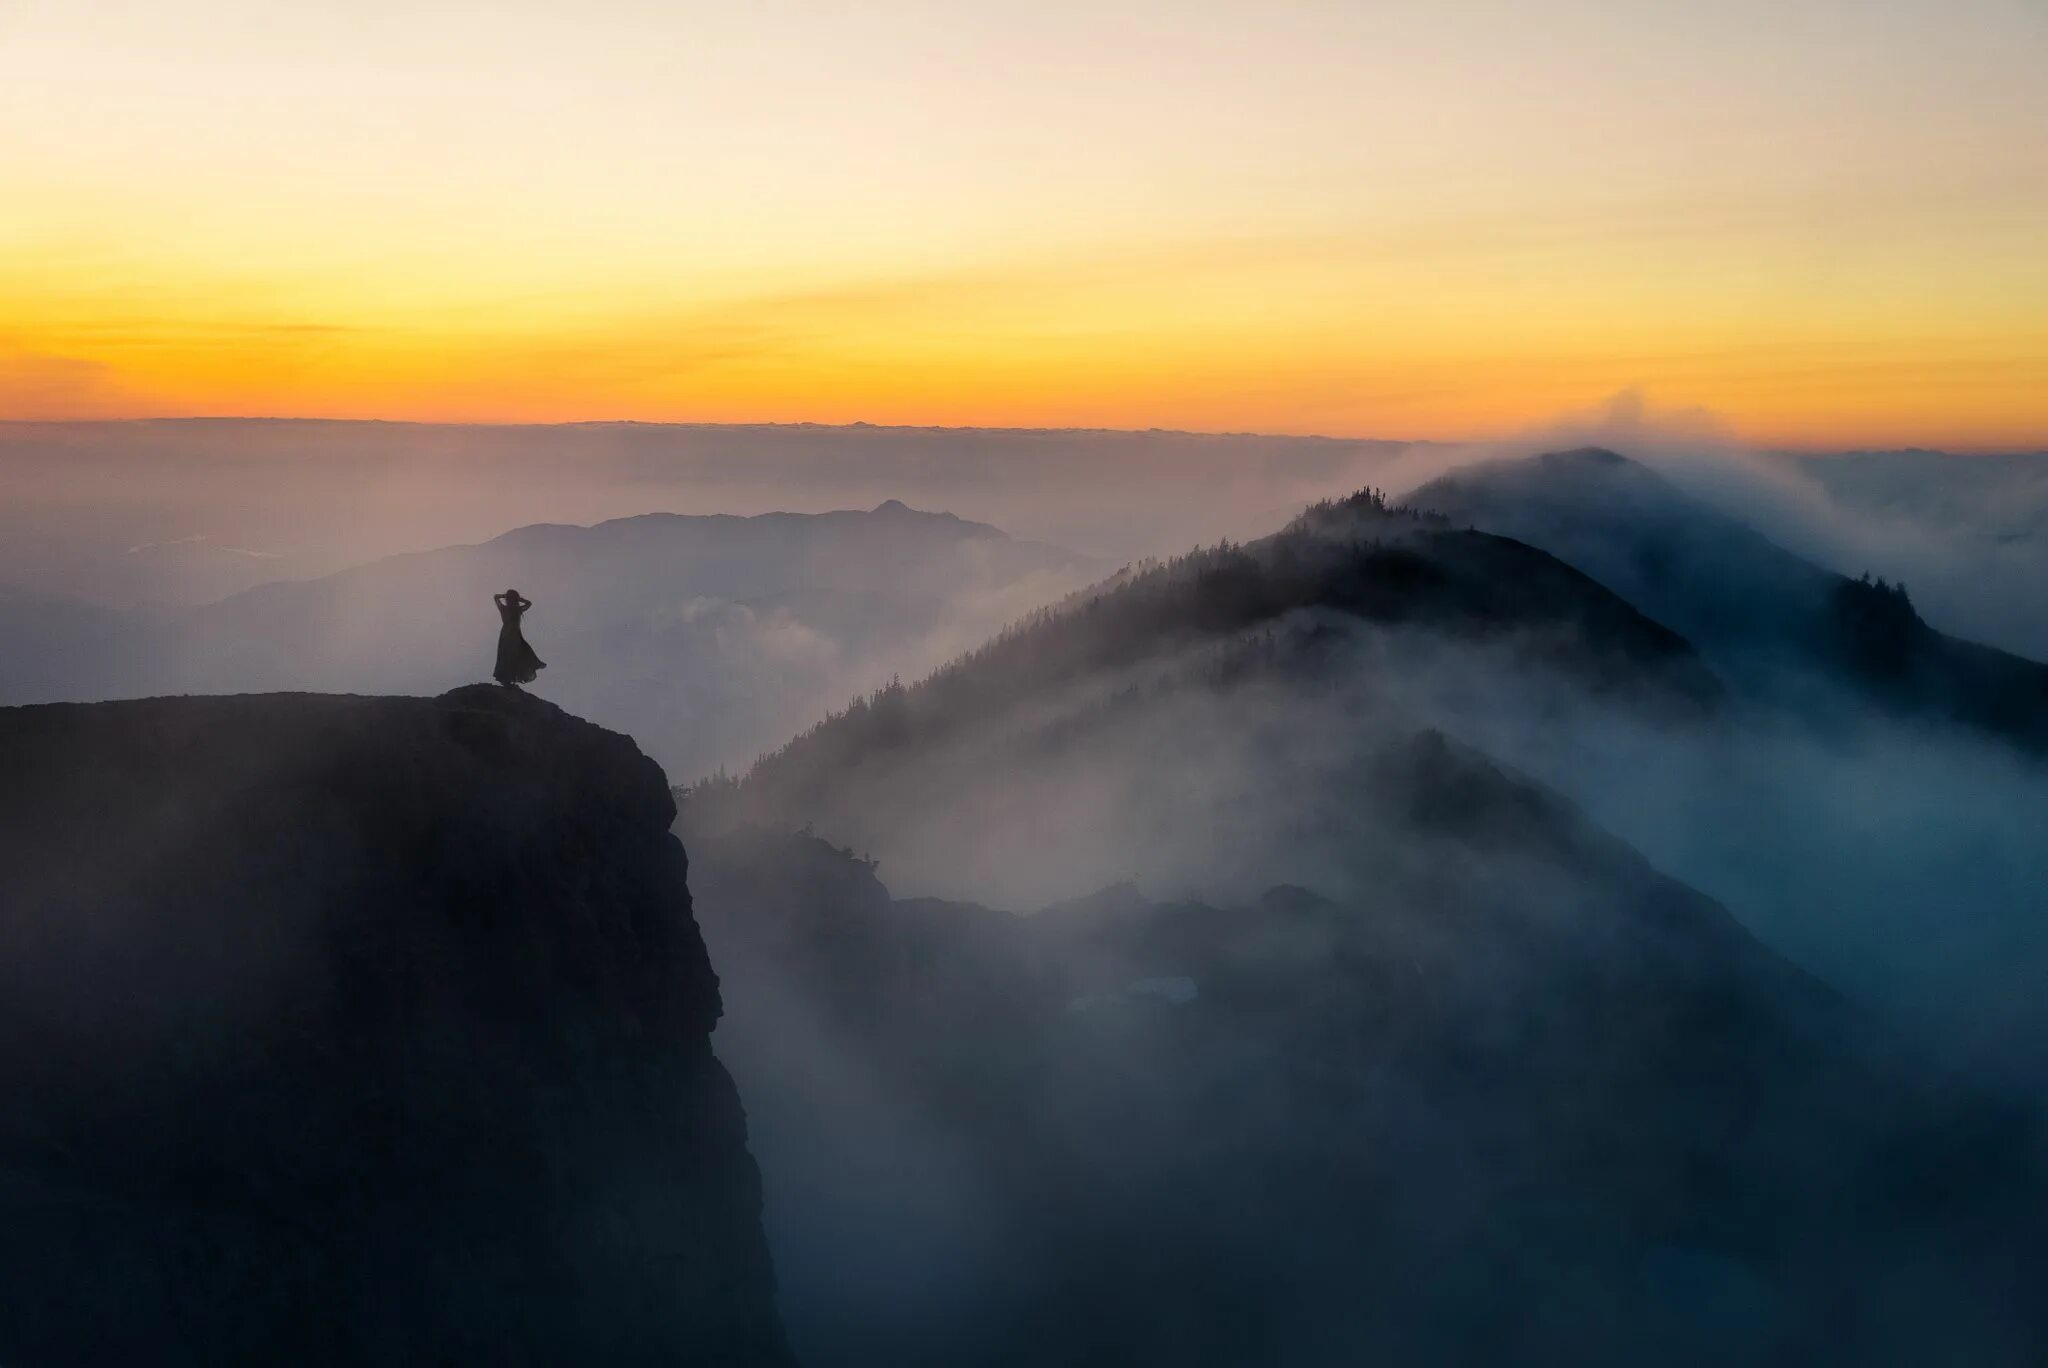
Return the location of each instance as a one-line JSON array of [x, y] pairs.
[[360, 1030]]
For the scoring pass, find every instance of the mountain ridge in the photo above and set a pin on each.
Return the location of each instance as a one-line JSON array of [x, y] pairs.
[[1357, 560], [1770, 619]]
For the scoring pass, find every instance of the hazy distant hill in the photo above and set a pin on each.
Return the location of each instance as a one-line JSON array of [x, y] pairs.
[[185, 511], [1762, 615], [707, 637]]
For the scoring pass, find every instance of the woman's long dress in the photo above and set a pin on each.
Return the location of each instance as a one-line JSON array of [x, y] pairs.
[[517, 664]]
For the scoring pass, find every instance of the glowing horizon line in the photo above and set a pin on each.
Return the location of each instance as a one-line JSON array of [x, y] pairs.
[[1505, 440]]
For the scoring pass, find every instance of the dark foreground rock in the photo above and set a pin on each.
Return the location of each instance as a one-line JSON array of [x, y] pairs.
[[359, 1030]]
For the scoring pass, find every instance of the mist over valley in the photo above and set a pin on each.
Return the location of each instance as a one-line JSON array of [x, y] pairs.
[[1558, 911]]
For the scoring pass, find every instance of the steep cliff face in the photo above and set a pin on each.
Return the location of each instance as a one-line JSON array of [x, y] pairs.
[[360, 1030]]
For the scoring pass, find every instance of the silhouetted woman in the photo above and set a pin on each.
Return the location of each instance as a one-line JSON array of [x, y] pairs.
[[517, 664]]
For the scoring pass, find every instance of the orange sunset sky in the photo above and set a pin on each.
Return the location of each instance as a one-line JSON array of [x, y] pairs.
[[1827, 222]]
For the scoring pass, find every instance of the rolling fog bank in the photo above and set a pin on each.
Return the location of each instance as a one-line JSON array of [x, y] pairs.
[[1856, 812], [1897, 860], [1968, 535], [1258, 959]]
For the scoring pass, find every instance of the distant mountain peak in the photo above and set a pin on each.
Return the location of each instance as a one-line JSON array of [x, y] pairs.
[[896, 508], [1589, 471]]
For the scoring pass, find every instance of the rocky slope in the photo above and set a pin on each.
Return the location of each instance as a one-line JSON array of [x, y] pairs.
[[359, 1030]]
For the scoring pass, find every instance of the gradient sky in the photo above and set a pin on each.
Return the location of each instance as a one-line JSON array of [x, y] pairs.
[[1825, 221]]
